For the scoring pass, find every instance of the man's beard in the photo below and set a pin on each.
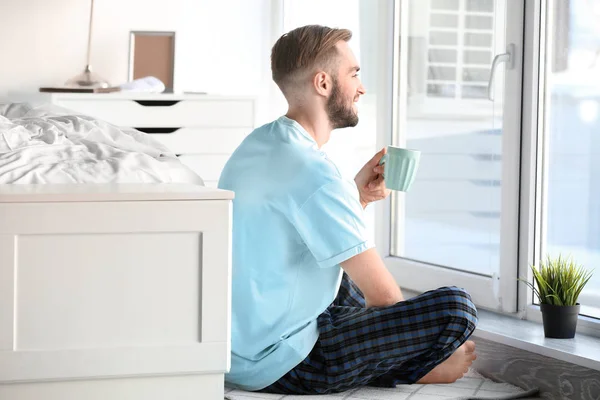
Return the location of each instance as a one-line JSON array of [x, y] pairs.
[[339, 115]]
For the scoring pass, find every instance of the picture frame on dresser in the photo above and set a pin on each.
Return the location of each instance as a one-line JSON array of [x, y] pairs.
[[152, 53]]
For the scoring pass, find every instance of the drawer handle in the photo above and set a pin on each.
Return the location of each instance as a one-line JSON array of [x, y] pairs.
[[156, 103], [155, 131]]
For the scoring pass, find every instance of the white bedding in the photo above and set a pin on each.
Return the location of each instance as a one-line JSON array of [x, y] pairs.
[[48, 144]]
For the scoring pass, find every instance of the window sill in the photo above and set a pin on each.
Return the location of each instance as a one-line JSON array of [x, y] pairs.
[[583, 350]]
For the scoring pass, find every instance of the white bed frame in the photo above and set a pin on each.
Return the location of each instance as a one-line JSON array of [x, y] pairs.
[[114, 292]]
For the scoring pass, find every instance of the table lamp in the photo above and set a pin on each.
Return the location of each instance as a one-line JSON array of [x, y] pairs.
[[88, 78]]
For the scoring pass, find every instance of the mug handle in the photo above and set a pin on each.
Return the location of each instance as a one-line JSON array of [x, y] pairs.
[[383, 158]]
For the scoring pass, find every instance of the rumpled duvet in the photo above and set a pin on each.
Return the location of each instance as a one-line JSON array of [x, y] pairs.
[[48, 144]]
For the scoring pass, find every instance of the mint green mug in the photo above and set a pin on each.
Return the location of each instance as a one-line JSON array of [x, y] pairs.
[[400, 167]]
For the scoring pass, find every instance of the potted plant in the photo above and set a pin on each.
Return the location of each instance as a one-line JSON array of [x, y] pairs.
[[558, 283]]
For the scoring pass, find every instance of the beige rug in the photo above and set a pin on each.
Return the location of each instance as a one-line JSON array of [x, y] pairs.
[[471, 386]]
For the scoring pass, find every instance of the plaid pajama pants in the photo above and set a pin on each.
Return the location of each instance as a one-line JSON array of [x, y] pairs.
[[380, 346]]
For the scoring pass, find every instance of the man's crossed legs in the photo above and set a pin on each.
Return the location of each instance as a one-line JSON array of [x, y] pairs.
[[420, 340]]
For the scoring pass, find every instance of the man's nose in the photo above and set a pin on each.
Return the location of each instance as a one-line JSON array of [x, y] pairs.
[[361, 89]]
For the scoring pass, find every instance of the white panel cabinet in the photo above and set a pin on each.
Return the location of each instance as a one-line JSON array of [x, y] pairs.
[[114, 291]]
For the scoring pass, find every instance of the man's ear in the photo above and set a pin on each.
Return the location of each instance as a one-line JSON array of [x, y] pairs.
[[322, 83]]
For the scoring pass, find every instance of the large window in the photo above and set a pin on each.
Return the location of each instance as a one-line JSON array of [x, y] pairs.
[[506, 177]]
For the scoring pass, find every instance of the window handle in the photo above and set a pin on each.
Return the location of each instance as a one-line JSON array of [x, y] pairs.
[[508, 58]]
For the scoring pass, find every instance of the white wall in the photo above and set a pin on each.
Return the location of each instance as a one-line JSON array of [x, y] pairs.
[[222, 46]]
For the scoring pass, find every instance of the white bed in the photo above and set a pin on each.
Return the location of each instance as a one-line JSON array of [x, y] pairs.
[[113, 289]]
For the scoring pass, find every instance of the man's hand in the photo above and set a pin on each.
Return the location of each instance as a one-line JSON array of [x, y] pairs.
[[369, 180]]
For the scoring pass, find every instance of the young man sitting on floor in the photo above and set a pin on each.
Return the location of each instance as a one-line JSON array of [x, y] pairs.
[[314, 309]]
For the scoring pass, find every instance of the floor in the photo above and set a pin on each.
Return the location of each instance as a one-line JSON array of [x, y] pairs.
[[472, 384]]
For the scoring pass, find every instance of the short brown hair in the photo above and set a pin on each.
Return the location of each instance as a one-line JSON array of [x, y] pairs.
[[304, 48]]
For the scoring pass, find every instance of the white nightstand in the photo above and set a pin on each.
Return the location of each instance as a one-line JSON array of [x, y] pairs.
[[203, 130]]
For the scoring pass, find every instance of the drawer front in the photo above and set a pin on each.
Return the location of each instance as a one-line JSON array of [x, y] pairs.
[[198, 141], [460, 166], [159, 113], [208, 166], [469, 196]]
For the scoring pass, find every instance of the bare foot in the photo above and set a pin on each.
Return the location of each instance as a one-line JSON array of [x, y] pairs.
[[454, 367]]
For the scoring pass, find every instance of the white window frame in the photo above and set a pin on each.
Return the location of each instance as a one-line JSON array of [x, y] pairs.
[[498, 292]]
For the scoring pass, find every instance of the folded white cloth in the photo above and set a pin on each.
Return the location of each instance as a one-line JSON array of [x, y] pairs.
[[147, 84]]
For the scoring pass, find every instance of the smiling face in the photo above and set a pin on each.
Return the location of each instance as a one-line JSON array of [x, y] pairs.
[[346, 89]]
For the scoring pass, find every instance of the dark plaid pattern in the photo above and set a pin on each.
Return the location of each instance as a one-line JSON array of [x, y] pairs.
[[381, 346]]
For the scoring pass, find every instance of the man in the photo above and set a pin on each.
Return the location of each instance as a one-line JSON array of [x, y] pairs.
[[314, 309]]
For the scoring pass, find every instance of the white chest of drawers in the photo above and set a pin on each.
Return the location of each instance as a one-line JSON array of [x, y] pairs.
[[203, 130]]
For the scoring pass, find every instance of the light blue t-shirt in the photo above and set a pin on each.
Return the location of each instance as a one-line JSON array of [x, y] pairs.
[[294, 220]]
